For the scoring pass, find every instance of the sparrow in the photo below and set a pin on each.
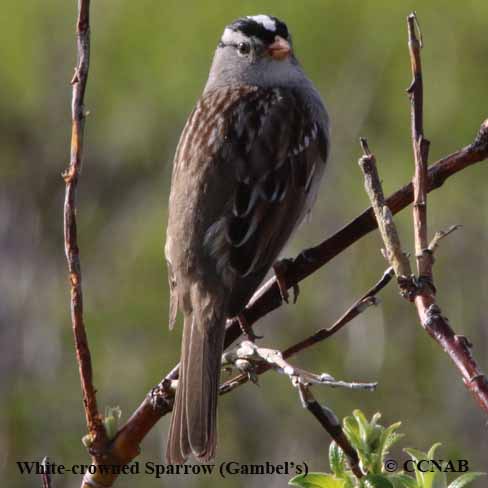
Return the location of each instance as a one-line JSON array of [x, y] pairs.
[[246, 172]]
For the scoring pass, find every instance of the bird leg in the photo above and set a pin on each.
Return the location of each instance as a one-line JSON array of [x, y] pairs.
[[246, 328], [280, 268]]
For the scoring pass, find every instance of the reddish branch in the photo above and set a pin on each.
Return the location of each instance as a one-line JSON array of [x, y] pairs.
[[431, 318], [457, 347], [71, 176]]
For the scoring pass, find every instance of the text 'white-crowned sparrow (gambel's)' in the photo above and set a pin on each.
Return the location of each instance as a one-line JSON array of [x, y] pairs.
[[246, 172]]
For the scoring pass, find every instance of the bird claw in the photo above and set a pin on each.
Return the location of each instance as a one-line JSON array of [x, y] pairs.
[[280, 269], [247, 329]]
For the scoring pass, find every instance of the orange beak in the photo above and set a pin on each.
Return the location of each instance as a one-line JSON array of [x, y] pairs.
[[280, 49]]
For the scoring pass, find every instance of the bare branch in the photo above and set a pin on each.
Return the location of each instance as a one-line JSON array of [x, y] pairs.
[[71, 176], [420, 150], [358, 307], [301, 379], [45, 476], [248, 357], [394, 254], [457, 347], [440, 235], [332, 426]]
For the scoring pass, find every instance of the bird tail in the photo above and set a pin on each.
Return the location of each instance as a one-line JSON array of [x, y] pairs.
[[193, 428]]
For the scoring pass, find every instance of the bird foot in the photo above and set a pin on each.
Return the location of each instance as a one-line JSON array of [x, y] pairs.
[[280, 268], [247, 328]]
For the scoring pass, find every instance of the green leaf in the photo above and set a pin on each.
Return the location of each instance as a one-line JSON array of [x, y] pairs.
[[389, 441], [351, 429], [374, 437], [363, 424], [317, 480], [438, 479], [375, 418], [337, 459], [417, 456], [377, 481], [390, 437], [427, 479], [402, 480], [376, 466], [432, 450], [465, 479], [387, 438], [350, 481]]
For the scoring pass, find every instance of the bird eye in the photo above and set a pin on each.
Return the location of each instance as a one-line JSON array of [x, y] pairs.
[[243, 48]]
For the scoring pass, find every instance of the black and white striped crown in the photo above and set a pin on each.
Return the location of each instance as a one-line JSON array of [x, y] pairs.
[[263, 27]]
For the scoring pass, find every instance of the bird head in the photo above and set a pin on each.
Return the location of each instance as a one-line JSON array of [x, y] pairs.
[[255, 50]]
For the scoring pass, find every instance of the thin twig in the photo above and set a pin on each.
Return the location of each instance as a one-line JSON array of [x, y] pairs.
[[332, 426], [71, 176], [440, 235], [249, 352], [249, 358], [420, 150], [358, 307], [394, 254], [45, 476]]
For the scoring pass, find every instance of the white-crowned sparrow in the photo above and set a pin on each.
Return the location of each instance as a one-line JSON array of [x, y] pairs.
[[246, 171]]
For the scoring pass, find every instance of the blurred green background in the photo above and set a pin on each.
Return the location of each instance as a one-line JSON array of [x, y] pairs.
[[149, 63]]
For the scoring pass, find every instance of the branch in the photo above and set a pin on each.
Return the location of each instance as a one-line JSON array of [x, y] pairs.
[[420, 150], [359, 306], [393, 253], [332, 426], [268, 297], [45, 475], [456, 347], [254, 360], [248, 353], [71, 176]]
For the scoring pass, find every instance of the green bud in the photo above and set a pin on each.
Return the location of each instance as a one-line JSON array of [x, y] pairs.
[[111, 421]]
